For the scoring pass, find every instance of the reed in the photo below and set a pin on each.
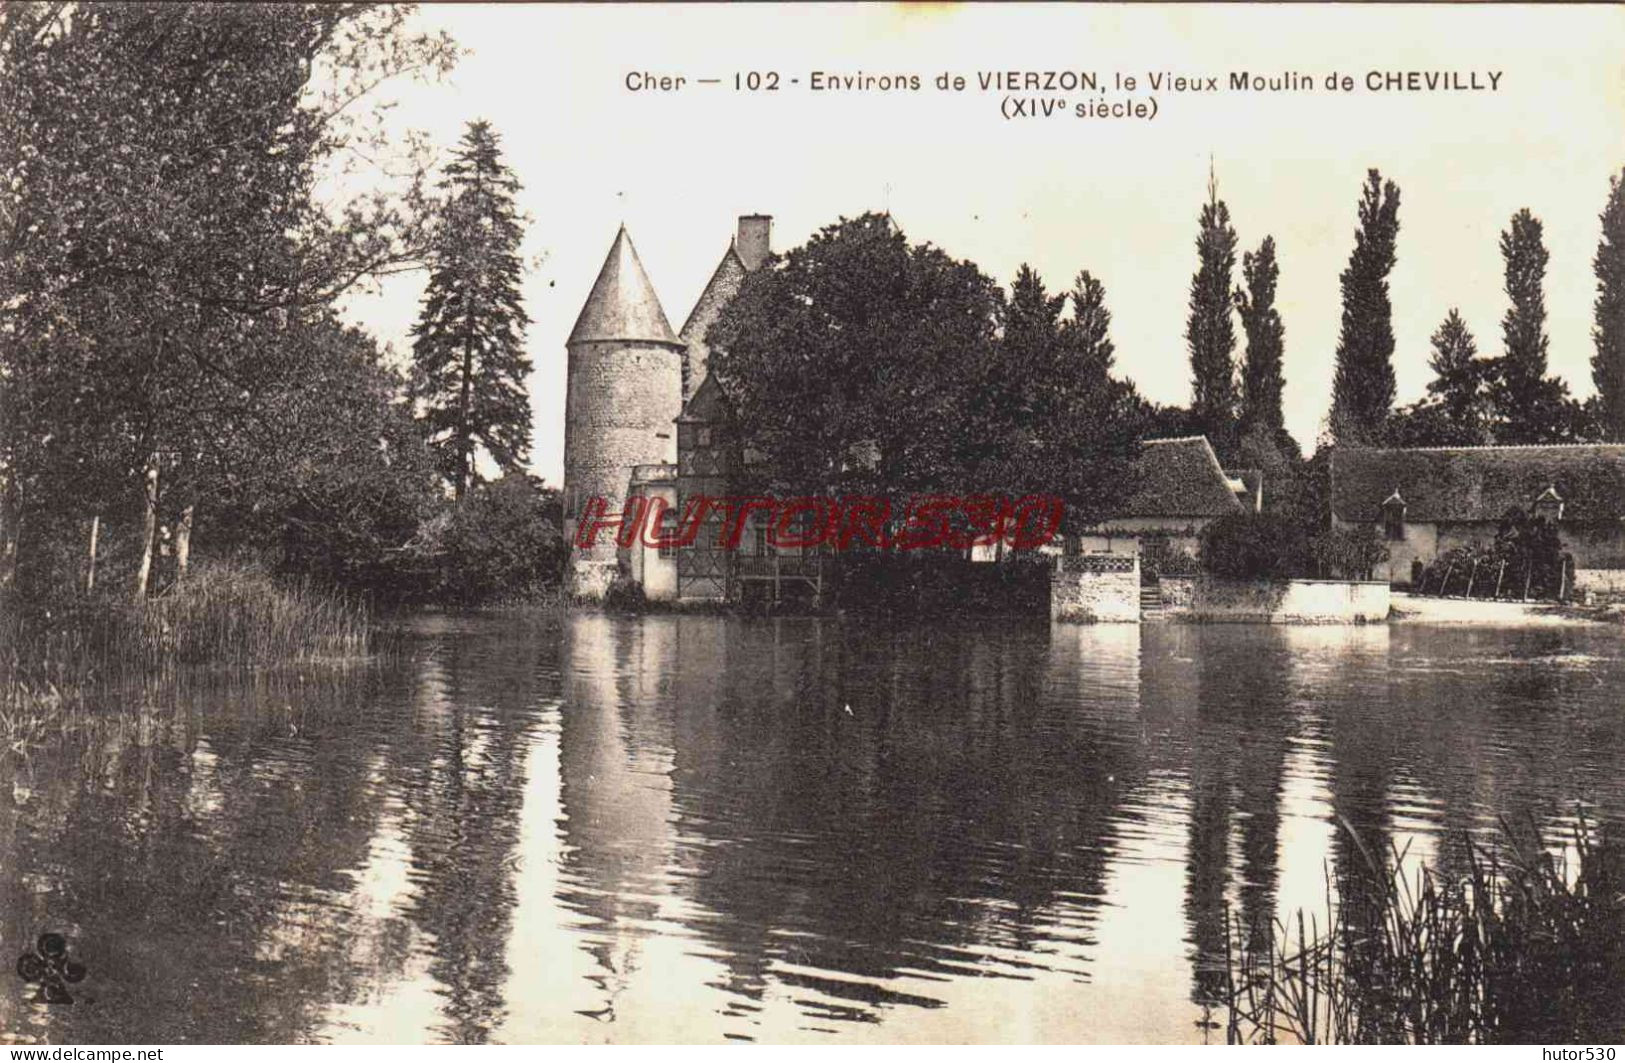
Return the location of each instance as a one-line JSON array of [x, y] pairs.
[[222, 616], [1525, 946]]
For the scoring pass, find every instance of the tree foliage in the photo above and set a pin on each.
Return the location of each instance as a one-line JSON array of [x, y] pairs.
[[1255, 546], [1458, 410], [468, 345], [1062, 424], [500, 542], [1262, 381], [1533, 407], [860, 363], [848, 362], [169, 266], [1210, 333], [1608, 332], [1363, 385]]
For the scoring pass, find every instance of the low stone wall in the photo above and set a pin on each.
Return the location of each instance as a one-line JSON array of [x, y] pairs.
[[1600, 584], [1096, 589], [1300, 601]]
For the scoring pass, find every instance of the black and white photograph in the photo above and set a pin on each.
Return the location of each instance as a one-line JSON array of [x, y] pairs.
[[811, 524]]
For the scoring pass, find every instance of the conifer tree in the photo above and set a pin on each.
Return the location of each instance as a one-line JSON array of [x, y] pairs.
[[1459, 375], [1457, 411], [1209, 333], [1608, 363], [468, 345], [1261, 378], [1088, 334], [1363, 387]]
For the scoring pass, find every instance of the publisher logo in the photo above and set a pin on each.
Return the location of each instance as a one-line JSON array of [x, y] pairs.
[[48, 966]]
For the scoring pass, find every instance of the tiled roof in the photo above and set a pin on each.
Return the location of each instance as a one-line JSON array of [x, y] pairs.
[[1479, 483], [1180, 478], [623, 304], [723, 286]]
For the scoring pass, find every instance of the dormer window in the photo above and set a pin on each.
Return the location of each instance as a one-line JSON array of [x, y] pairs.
[[1549, 506], [1393, 517]]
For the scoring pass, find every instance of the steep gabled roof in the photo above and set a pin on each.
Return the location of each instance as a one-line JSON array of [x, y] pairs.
[[723, 286], [623, 304], [1180, 478], [1479, 483]]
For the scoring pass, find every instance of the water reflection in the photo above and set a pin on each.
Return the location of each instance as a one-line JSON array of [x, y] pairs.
[[698, 828]]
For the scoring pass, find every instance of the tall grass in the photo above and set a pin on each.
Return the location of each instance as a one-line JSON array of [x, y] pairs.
[[1522, 947], [223, 616]]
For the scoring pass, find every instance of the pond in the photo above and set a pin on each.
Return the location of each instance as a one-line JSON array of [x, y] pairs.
[[697, 828]]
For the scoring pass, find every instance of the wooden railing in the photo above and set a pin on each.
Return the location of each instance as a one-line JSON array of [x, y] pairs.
[[757, 566]]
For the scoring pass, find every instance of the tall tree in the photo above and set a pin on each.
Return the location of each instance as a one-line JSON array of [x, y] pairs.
[[143, 322], [1088, 332], [468, 344], [1458, 409], [1532, 405], [1363, 385], [1608, 333], [1210, 334], [854, 364], [1460, 377], [1261, 378], [866, 364]]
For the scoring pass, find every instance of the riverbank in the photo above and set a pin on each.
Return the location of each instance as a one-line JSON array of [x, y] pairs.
[[1420, 609]]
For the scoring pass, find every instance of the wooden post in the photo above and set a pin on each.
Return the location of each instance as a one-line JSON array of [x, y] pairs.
[[1528, 572], [90, 569], [1500, 576], [1444, 588], [1471, 576]]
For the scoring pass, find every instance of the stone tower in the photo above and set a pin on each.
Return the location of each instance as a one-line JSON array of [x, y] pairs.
[[623, 391]]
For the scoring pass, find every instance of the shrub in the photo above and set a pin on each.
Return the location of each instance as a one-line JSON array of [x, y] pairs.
[[500, 544], [1255, 546], [625, 595], [1349, 553]]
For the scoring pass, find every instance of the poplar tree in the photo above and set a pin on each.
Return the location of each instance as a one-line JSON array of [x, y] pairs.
[[1608, 363], [468, 345], [1532, 405], [1261, 378], [1209, 333], [1363, 386]]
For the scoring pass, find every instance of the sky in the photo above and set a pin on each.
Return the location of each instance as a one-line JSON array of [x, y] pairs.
[[1117, 197]]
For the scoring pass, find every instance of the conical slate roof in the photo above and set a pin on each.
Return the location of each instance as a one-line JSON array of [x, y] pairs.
[[623, 304]]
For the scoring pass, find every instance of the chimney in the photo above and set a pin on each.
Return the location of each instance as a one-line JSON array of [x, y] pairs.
[[755, 240]]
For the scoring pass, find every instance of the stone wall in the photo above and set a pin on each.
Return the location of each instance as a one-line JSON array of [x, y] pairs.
[[1300, 601], [1600, 584], [1593, 546], [1096, 589]]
